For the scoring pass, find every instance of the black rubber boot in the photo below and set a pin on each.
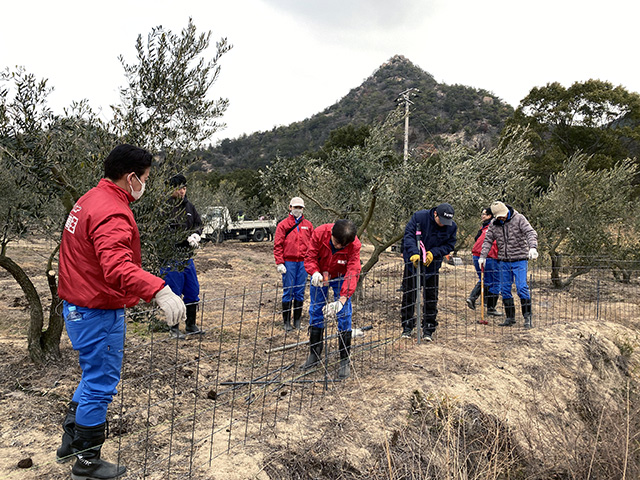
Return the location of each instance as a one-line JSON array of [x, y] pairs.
[[286, 316], [89, 466], [174, 332], [492, 301], [473, 296], [510, 311], [297, 313], [345, 357], [65, 452], [525, 304], [191, 327], [315, 348]]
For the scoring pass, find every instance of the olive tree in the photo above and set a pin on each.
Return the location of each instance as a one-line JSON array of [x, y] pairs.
[[44, 175], [470, 180], [54, 159], [367, 183], [165, 107], [372, 185], [587, 217]]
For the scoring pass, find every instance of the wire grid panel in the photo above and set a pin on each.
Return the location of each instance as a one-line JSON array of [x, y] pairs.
[[182, 403]]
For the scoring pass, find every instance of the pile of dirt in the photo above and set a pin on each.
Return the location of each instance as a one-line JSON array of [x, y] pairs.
[[558, 403]]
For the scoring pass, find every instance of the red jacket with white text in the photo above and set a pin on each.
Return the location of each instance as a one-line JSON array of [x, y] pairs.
[[293, 248], [100, 258], [344, 262]]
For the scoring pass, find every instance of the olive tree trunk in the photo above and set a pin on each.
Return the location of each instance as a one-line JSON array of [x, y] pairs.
[[42, 345]]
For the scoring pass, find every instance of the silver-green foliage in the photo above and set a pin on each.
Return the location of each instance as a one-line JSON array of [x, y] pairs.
[[378, 190], [589, 215], [166, 109], [470, 180], [166, 105]]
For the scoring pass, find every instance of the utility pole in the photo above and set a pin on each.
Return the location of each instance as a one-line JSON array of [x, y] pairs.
[[405, 98]]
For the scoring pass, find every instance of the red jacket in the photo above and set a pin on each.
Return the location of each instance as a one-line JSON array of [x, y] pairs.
[[345, 262], [100, 260], [293, 248], [477, 247]]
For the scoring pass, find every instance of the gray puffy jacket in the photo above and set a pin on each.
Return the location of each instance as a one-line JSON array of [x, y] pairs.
[[514, 237]]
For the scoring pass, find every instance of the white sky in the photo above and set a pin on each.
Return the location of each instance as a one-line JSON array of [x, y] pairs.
[[293, 58]]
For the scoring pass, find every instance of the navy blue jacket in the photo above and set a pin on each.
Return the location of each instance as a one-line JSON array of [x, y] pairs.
[[440, 241]]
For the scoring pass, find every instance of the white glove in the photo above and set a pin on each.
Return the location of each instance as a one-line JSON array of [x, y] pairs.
[[332, 308], [533, 254], [316, 279], [281, 268], [172, 305], [482, 261], [194, 240]]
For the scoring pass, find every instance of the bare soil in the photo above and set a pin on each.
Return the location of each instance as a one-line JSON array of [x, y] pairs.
[[558, 401]]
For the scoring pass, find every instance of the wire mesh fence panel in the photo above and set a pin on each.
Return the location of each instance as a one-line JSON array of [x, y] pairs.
[[182, 403]]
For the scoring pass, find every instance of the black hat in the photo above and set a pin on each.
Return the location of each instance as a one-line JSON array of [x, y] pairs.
[[445, 212], [178, 180]]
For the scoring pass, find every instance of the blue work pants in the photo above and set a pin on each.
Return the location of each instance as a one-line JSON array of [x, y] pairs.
[[294, 281], [320, 297], [183, 282], [491, 274], [99, 339], [514, 272]]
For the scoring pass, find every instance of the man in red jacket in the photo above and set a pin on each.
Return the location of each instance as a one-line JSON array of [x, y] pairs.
[[292, 238], [100, 274], [333, 260]]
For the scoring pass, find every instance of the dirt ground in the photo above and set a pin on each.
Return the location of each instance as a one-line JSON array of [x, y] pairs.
[[553, 402]]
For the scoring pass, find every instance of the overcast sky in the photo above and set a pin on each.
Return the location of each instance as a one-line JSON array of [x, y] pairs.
[[293, 58]]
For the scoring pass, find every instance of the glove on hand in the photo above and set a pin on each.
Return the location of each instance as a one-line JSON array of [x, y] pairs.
[[482, 262], [428, 259], [533, 254], [172, 305], [194, 240], [281, 268], [316, 279], [415, 259], [332, 308]]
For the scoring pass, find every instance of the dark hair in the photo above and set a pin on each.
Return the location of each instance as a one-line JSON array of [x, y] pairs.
[[487, 211], [125, 159], [344, 231], [178, 180]]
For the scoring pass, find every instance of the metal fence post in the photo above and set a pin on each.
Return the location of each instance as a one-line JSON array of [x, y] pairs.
[[419, 289]]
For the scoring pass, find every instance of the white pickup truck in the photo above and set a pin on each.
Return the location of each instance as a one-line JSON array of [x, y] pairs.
[[218, 227]]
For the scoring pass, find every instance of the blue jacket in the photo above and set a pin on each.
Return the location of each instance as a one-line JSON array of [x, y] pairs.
[[440, 241]]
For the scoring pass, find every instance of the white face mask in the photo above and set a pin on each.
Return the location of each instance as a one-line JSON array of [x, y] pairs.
[[296, 212], [138, 194]]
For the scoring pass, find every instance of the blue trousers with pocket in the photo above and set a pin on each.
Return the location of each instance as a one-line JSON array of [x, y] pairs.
[[294, 281], [491, 274], [98, 337], [183, 282], [514, 272], [320, 296]]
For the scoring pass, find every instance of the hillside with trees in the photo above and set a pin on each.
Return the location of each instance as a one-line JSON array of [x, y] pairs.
[[440, 114]]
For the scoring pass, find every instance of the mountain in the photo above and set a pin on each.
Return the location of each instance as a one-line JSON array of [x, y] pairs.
[[440, 114]]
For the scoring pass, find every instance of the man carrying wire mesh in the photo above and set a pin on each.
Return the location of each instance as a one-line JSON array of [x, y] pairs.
[[332, 260]]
